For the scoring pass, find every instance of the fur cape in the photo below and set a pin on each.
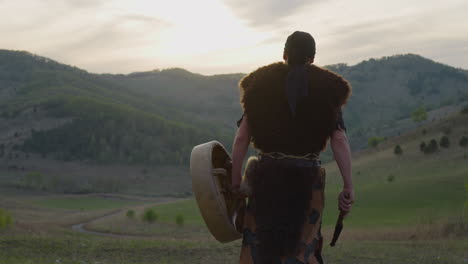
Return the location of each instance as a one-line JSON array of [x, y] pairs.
[[271, 125]]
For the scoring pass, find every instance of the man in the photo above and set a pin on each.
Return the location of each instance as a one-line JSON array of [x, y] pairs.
[[291, 110]]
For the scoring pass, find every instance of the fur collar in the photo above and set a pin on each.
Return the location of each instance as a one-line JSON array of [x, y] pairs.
[[272, 127]]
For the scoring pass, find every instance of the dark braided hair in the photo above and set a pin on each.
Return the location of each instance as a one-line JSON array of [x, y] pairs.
[[299, 48]]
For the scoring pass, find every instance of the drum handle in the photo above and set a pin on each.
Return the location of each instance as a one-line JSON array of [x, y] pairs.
[[220, 172]]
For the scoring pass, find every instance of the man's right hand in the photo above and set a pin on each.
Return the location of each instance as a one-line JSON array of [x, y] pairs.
[[346, 200]]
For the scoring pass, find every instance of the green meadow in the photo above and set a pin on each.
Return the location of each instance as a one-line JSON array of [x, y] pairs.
[[417, 194], [81, 203], [78, 249], [391, 190]]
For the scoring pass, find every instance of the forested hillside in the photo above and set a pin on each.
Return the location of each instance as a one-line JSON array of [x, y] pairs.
[[205, 98], [156, 117], [108, 122], [384, 91], [392, 88]]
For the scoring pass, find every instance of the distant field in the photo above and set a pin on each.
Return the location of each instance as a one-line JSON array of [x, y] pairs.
[[187, 208], [82, 203], [192, 228], [71, 177]]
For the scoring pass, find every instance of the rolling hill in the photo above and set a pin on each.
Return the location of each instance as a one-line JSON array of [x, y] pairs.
[[385, 91], [106, 121], [51, 112]]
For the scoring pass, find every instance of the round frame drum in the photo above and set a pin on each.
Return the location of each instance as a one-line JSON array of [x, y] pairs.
[[210, 168]]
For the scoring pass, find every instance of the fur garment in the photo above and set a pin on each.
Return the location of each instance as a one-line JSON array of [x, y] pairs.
[[271, 125]]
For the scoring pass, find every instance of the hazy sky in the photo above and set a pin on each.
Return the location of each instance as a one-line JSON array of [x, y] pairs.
[[224, 36]]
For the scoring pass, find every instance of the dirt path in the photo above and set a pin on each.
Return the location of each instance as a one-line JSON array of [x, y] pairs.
[[81, 227]]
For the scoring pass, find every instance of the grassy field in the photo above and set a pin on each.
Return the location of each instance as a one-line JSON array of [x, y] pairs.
[[409, 209], [79, 249], [186, 208], [82, 203], [425, 189]]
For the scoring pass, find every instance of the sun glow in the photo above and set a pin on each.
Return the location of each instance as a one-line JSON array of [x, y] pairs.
[[221, 36], [194, 28]]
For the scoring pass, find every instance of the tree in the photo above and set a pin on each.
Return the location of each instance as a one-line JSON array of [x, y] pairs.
[[419, 115], [398, 151], [150, 216], [444, 142], [464, 110], [432, 147], [464, 142]]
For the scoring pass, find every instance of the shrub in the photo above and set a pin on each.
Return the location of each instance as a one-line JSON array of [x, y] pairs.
[[444, 142], [6, 220], [432, 147], [398, 151], [130, 214], [150, 216], [419, 115], [464, 142], [33, 180], [390, 178], [180, 220], [422, 146], [374, 141], [424, 131], [85, 187], [464, 110]]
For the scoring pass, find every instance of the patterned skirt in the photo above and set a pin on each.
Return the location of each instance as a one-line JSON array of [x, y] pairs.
[[308, 248]]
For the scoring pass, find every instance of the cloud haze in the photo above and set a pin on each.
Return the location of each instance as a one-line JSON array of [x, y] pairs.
[[266, 13], [220, 36]]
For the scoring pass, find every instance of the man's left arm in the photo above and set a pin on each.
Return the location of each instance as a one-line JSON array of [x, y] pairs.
[[239, 150]]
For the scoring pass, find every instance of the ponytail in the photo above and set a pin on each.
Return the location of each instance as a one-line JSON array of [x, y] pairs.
[[299, 47], [297, 86]]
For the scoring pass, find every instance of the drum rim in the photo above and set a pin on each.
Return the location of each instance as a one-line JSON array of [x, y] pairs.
[[220, 218]]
